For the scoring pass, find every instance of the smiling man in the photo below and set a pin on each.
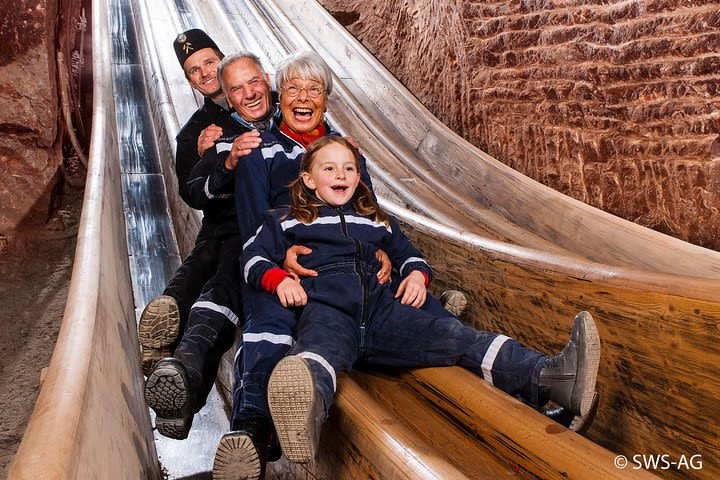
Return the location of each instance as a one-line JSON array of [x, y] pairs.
[[196, 317]]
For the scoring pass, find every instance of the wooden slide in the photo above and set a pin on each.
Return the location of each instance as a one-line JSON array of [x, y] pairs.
[[527, 257]]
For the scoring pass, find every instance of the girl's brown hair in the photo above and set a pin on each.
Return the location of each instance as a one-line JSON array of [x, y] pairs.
[[304, 204]]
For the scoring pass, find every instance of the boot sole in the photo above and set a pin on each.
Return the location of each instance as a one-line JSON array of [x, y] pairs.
[[454, 302], [151, 356], [291, 396], [580, 425], [158, 329], [236, 458], [588, 363], [166, 394]]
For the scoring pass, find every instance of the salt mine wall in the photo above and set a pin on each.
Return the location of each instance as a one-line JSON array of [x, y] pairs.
[[31, 32], [615, 103]]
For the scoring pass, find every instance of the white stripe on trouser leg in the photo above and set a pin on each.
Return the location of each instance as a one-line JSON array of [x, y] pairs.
[[490, 356], [268, 337], [235, 359], [218, 308], [323, 362]]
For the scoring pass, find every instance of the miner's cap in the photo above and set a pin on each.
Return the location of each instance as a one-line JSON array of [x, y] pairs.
[[190, 42]]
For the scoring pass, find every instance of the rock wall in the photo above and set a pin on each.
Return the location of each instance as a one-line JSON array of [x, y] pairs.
[[30, 132], [616, 103], [28, 107]]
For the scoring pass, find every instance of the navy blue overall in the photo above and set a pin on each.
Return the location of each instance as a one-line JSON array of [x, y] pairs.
[[349, 317]]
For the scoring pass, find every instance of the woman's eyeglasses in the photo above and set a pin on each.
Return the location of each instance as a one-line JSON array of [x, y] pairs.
[[312, 92]]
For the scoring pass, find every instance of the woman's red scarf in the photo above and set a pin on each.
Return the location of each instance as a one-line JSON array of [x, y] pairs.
[[303, 139]]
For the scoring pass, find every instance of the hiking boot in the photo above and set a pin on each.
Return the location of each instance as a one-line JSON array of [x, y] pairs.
[[575, 423], [169, 393], [296, 408], [243, 453], [568, 378], [158, 329], [454, 301]]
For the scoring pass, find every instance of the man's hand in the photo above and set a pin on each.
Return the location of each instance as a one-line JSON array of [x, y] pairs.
[[291, 263], [355, 144], [208, 137], [383, 275], [291, 293], [413, 290], [242, 146]]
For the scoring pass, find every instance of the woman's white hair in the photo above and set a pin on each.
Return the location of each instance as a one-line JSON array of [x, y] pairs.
[[305, 65]]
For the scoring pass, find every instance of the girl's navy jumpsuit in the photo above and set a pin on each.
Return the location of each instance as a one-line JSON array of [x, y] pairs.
[[349, 317], [261, 184]]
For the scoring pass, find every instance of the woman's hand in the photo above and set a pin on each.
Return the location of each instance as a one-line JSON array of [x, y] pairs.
[[291, 293], [412, 290]]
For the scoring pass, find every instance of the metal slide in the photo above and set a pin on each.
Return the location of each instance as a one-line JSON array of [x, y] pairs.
[[528, 258]]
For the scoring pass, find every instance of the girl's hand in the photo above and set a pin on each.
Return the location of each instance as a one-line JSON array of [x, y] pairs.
[[412, 290], [291, 293]]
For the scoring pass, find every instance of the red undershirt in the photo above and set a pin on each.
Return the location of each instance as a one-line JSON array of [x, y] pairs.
[[303, 139]]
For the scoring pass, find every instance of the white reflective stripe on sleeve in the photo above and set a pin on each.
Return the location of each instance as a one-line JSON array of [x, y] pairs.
[[217, 308], [210, 195], [323, 362], [268, 337], [223, 147], [409, 260], [250, 240], [252, 262], [490, 356]]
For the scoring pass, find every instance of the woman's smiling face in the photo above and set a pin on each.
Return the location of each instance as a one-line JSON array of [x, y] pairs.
[[300, 111]]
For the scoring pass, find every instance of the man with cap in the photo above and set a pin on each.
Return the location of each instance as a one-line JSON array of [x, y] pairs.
[[196, 316]]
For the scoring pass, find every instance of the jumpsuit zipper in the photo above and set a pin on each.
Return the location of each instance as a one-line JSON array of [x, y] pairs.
[[361, 274]]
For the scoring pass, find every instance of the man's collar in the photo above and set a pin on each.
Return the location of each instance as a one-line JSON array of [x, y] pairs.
[[261, 125], [221, 102]]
